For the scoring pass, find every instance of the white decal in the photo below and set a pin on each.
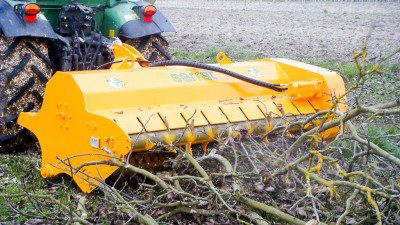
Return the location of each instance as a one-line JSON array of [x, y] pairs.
[[115, 83], [95, 142], [255, 73]]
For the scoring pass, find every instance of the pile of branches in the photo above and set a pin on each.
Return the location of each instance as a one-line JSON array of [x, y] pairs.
[[283, 177]]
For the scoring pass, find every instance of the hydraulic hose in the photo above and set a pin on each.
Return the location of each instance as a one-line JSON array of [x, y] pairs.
[[275, 87]]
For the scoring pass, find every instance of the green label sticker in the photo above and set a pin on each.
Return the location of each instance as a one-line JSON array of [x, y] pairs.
[[193, 77], [255, 73]]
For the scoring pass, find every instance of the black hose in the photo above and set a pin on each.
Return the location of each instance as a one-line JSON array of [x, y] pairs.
[[108, 63], [95, 54], [274, 87], [78, 45], [86, 53]]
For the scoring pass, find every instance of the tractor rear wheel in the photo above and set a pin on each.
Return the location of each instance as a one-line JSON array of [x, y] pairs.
[[24, 70], [153, 47]]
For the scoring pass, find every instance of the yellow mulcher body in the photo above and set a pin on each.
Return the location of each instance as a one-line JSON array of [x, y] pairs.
[[133, 108]]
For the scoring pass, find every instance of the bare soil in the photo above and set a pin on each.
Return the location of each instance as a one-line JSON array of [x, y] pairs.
[[324, 31]]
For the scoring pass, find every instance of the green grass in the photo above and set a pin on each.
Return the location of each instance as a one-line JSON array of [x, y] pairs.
[[379, 136], [21, 173], [347, 68], [235, 53]]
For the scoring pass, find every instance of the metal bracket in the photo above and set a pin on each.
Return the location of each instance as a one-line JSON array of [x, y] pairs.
[[126, 56], [306, 89], [223, 59]]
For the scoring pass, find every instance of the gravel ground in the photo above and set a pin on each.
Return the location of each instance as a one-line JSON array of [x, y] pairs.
[[324, 31]]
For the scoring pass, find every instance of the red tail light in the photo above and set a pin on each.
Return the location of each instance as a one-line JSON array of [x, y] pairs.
[[148, 13], [31, 10]]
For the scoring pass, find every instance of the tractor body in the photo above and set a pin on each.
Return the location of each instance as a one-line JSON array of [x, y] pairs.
[[38, 38], [79, 31], [114, 18]]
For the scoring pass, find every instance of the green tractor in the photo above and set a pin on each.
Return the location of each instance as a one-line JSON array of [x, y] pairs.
[[40, 37]]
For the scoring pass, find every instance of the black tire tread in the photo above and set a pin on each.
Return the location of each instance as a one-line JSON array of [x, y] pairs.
[[162, 50], [18, 68], [11, 47], [40, 54], [153, 47], [26, 70]]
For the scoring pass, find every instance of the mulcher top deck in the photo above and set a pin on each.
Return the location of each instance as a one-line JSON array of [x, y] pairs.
[[86, 115]]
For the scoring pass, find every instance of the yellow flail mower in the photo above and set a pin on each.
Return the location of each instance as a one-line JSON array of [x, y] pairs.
[[137, 107]]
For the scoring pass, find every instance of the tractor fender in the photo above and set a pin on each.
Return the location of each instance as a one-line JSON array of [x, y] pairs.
[[125, 19], [13, 25]]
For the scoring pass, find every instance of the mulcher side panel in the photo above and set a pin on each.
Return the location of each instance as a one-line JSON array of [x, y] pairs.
[[70, 136], [13, 26]]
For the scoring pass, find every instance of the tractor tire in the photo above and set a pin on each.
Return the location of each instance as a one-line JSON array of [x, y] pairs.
[[24, 71], [153, 47]]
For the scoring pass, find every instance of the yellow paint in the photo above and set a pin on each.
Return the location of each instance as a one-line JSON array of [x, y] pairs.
[[111, 33], [223, 59], [88, 114], [135, 16]]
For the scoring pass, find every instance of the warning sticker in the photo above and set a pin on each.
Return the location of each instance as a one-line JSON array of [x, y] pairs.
[[130, 17], [115, 83]]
